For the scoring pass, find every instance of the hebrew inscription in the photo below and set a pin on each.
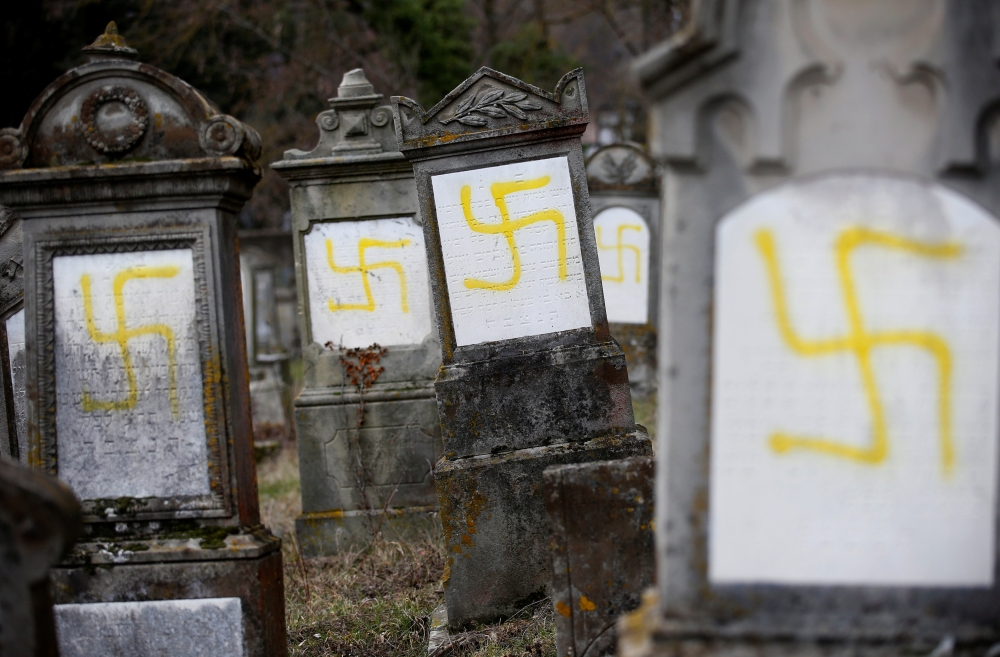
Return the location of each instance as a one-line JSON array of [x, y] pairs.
[[623, 250], [130, 417], [511, 251], [15, 354], [854, 418], [368, 282]]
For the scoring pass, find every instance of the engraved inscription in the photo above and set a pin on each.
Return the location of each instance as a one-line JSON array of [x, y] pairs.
[[511, 251], [130, 417], [367, 282], [15, 354]]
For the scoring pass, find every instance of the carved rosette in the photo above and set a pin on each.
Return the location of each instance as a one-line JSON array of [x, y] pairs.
[[12, 149], [114, 119], [223, 135]]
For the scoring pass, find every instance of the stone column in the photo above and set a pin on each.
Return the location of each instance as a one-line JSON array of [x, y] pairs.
[[367, 439], [128, 183], [829, 329], [13, 411], [531, 376], [624, 196]]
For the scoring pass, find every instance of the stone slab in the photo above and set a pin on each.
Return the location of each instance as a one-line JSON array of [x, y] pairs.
[[493, 517], [256, 583], [15, 357], [209, 627], [623, 247], [600, 518], [130, 412], [511, 250], [367, 282]]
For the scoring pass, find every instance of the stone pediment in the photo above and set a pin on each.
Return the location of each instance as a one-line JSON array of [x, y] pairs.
[[491, 104], [621, 167], [113, 109]]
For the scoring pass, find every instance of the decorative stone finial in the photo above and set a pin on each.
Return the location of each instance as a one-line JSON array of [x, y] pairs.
[[355, 84], [110, 45]]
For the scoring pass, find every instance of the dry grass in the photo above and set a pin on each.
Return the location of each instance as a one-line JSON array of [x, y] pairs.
[[377, 602]]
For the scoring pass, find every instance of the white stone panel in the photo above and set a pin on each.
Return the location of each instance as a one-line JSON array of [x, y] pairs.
[[384, 299], [210, 627], [527, 280], [854, 419], [130, 418], [15, 354], [623, 250]]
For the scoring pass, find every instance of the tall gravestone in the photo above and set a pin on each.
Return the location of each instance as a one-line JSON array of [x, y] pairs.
[[624, 197], [128, 182], [13, 409], [531, 376], [830, 322], [365, 451]]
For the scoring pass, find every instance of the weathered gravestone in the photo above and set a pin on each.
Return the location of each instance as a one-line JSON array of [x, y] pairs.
[[829, 330], [367, 439], [13, 410], [531, 377], [39, 521], [128, 183], [600, 519], [624, 196]]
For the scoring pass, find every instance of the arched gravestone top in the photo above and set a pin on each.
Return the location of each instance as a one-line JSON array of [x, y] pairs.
[[115, 108], [622, 167]]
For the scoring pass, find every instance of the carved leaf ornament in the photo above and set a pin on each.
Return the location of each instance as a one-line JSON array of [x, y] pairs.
[[491, 103]]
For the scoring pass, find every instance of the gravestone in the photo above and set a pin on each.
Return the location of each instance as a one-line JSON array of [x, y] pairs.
[[601, 530], [531, 376], [265, 349], [39, 521], [128, 182], [13, 411], [829, 327], [624, 196], [365, 451]]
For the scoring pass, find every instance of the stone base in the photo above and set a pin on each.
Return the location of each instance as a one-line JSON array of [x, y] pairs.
[[493, 516], [647, 633], [602, 545], [333, 532], [255, 581]]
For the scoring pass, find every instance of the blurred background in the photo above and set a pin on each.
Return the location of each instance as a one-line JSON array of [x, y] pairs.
[[273, 63]]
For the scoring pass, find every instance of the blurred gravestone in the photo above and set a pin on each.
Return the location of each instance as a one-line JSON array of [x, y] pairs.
[[39, 521], [128, 183], [601, 525], [624, 196], [13, 411], [531, 376], [367, 439], [829, 358]]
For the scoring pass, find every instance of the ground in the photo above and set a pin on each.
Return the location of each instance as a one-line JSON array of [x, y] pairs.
[[377, 602]]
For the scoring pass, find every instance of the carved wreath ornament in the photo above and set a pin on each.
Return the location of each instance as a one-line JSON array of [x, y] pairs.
[[490, 103], [114, 139]]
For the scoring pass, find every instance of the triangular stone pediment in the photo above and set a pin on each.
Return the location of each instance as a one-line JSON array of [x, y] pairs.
[[491, 104]]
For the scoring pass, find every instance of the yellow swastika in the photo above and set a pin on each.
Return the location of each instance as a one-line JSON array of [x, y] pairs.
[[506, 227], [123, 334], [364, 267], [619, 246], [862, 342]]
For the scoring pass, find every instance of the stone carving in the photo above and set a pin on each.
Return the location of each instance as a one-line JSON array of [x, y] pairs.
[[490, 103], [114, 119]]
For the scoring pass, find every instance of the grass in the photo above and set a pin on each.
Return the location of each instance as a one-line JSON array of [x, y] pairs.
[[377, 602]]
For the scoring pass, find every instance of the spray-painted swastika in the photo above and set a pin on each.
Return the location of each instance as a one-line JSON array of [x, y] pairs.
[[506, 227], [861, 342], [364, 268], [123, 334], [620, 247]]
